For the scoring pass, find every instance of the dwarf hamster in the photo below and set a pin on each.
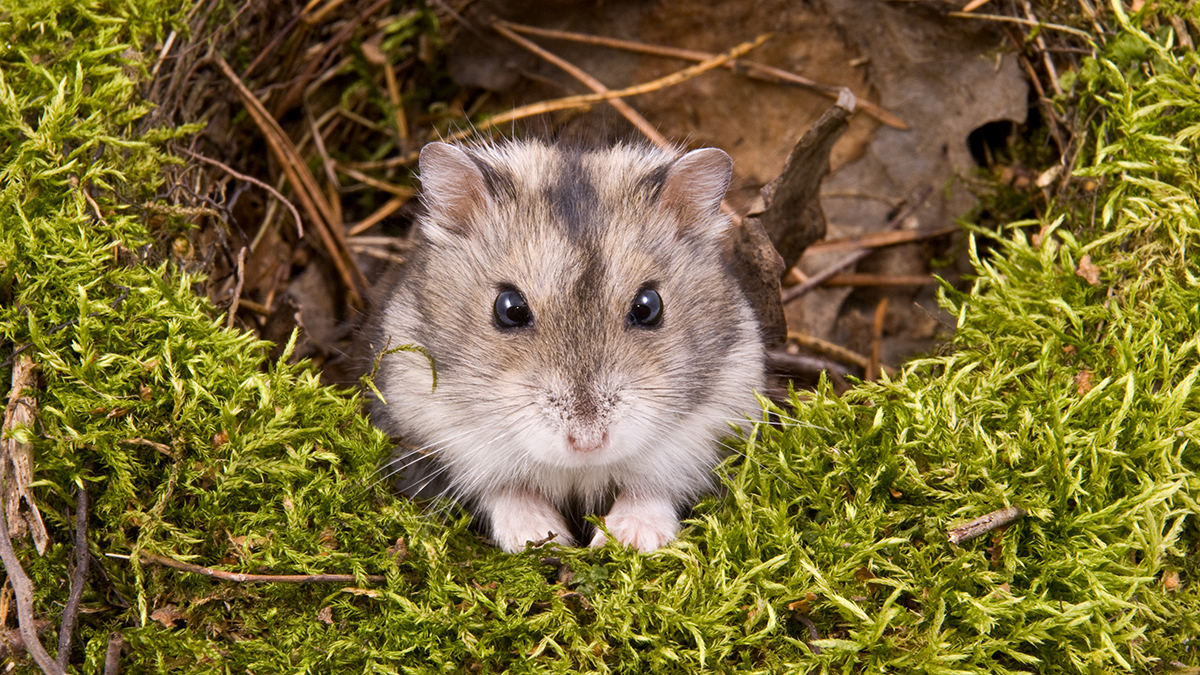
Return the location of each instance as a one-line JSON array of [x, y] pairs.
[[590, 346]]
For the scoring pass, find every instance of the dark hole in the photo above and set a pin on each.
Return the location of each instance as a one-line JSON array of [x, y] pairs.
[[990, 142]]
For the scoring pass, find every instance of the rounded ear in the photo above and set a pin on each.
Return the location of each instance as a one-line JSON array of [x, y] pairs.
[[452, 186], [694, 187]]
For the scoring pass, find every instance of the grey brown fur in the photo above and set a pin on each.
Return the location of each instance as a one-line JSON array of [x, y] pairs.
[[579, 406]]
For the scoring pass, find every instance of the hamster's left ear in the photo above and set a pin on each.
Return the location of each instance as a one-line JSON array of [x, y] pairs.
[[452, 187], [694, 187]]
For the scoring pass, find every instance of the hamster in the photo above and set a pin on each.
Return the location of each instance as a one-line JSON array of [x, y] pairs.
[[589, 343]]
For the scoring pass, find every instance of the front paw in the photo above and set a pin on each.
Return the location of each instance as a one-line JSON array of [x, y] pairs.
[[644, 524], [521, 517]]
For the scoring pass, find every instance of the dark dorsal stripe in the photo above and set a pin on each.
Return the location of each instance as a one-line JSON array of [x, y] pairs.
[[573, 198]]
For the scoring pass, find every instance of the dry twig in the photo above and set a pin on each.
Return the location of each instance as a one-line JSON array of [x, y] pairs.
[[71, 612], [749, 68], [585, 100], [881, 239], [835, 352], [23, 589], [112, 655], [241, 578], [237, 291], [873, 364], [252, 180], [820, 277], [380, 213], [309, 193], [506, 29], [635, 118], [984, 524], [856, 279], [1024, 22]]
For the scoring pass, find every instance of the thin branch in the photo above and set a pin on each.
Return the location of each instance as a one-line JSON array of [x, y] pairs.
[[506, 29], [241, 578], [307, 190], [398, 190], [835, 352], [984, 524], [881, 239], [585, 100], [852, 259], [1046, 60], [252, 180], [23, 589], [873, 364], [749, 68], [237, 291], [112, 656], [856, 279], [78, 580], [382, 212], [1023, 22], [781, 361], [635, 118]]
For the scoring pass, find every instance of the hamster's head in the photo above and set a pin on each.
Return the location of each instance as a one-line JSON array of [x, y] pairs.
[[584, 328]]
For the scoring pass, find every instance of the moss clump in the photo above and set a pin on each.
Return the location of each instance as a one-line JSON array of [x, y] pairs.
[[1076, 401]]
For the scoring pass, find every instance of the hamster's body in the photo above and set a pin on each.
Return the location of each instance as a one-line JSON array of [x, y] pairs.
[[590, 345]]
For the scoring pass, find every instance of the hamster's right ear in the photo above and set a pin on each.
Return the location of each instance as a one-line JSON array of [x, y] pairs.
[[452, 187]]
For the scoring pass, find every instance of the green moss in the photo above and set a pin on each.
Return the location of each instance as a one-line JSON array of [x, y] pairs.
[[837, 517]]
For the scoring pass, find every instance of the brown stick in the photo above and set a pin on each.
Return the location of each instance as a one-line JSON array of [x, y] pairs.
[[237, 291], [781, 361], [241, 578], [749, 68], [585, 100], [836, 352], [252, 180], [23, 589], [876, 339], [984, 524], [78, 580], [12, 643], [398, 190], [635, 118], [875, 280], [881, 239], [307, 190], [504, 28], [112, 656], [820, 277], [1024, 22], [380, 213], [974, 5], [300, 84]]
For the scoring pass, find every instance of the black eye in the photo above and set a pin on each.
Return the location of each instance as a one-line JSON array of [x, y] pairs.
[[646, 310], [511, 310]]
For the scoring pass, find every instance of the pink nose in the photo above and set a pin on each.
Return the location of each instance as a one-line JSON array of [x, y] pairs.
[[585, 442]]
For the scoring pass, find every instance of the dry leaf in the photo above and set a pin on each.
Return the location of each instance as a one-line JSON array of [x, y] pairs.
[[325, 616], [399, 552], [1088, 270], [168, 616], [1083, 382], [1171, 580]]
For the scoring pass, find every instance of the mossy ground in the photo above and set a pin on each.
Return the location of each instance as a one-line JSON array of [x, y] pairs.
[[1076, 401]]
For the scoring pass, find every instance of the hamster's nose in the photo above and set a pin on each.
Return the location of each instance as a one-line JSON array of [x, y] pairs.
[[587, 440]]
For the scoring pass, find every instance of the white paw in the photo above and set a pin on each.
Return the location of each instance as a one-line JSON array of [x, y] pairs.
[[644, 524], [520, 517]]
